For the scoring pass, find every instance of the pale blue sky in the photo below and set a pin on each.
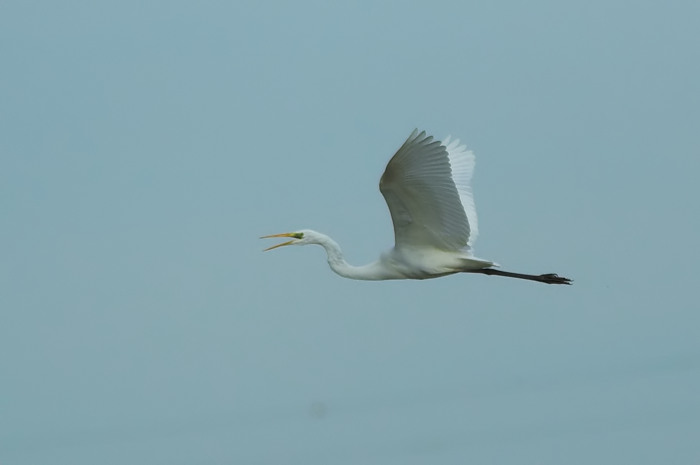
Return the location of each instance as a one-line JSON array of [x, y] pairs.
[[146, 145]]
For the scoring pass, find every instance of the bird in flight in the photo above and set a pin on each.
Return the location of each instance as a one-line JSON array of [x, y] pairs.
[[426, 185]]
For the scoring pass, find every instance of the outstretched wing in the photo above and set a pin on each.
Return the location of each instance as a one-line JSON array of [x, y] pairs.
[[426, 186]]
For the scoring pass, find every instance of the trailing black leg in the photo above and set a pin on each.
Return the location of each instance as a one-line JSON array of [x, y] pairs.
[[549, 278]]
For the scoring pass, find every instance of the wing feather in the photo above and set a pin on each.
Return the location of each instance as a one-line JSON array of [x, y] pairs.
[[426, 186]]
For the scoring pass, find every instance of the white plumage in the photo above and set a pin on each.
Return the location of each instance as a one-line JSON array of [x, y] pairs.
[[426, 185]]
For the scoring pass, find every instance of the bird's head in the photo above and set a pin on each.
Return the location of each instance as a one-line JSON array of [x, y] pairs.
[[303, 237]]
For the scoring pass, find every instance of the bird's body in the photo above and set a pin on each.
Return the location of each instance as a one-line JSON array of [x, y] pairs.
[[427, 188], [396, 263]]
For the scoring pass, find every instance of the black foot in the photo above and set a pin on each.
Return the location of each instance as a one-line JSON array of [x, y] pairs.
[[553, 278]]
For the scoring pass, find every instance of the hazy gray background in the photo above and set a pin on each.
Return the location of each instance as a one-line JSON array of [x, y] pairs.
[[146, 145]]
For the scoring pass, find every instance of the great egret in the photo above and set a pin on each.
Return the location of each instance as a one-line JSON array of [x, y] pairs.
[[426, 186]]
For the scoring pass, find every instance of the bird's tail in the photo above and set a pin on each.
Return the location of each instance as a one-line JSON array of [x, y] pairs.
[[469, 264]]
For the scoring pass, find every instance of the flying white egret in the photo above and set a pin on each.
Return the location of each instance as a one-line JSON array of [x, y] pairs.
[[426, 186]]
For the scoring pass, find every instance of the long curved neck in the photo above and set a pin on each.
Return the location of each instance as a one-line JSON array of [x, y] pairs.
[[336, 260]]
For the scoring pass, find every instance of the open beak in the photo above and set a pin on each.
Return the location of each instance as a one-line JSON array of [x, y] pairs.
[[278, 245]]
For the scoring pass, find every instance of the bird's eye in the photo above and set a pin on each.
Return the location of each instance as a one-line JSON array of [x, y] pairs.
[[298, 235]]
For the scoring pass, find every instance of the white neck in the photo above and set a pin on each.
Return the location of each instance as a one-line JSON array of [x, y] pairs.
[[370, 272]]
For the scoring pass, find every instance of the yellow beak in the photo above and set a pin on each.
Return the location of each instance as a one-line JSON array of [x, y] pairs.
[[278, 235]]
